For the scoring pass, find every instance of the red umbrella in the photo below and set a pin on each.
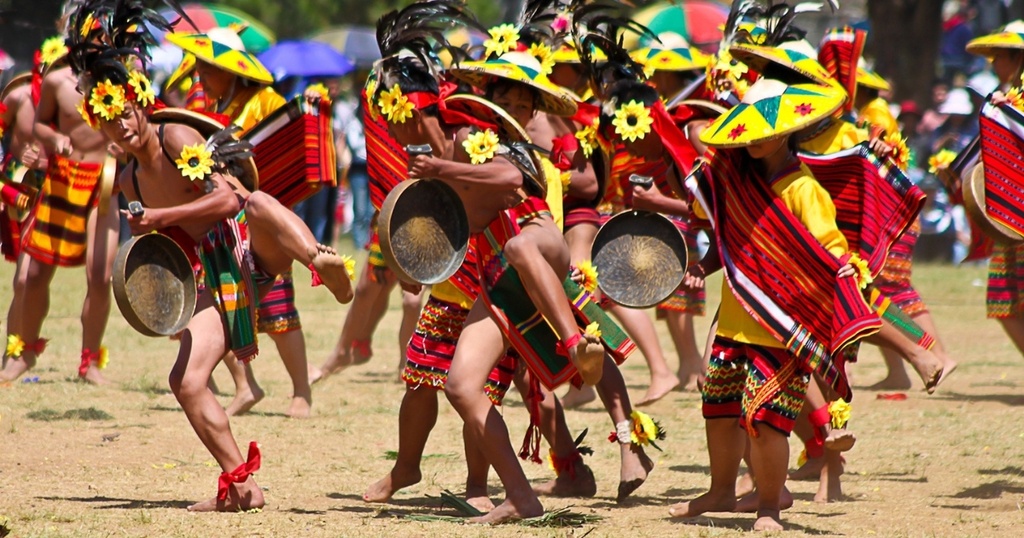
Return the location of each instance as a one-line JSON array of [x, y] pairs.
[[699, 21]]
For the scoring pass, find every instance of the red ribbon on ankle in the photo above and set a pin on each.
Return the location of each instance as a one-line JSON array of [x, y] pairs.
[[819, 418], [362, 347], [563, 346], [38, 346], [88, 357], [241, 473], [316, 276], [566, 464]]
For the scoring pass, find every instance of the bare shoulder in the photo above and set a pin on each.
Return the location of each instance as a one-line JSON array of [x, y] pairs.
[[178, 135]]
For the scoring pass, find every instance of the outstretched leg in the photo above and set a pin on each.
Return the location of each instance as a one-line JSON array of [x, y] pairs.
[[368, 308], [101, 238], [34, 305], [416, 419], [635, 464]]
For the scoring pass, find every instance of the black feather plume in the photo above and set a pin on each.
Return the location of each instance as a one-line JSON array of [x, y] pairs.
[[419, 26], [600, 25]]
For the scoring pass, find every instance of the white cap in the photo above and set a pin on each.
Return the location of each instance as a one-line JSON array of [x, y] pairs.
[[958, 102]]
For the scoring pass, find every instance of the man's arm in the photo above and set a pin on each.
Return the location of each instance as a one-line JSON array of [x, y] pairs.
[[53, 141], [498, 172]]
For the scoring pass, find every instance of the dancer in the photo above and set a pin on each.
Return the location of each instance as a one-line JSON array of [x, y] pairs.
[[243, 239], [74, 223]]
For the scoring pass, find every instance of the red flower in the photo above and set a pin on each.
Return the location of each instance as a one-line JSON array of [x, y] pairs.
[[737, 131], [804, 109]]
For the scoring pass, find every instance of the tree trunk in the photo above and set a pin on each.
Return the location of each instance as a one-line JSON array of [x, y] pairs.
[[904, 41]]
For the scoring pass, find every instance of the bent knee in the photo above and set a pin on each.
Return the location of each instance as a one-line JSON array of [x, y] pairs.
[[518, 250], [259, 203]]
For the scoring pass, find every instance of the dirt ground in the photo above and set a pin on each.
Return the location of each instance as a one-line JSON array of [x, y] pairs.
[[77, 460]]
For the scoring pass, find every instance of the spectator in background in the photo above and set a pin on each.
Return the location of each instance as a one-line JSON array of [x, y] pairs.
[[348, 129], [909, 119], [958, 130], [990, 15], [932, 118], [956, 32]]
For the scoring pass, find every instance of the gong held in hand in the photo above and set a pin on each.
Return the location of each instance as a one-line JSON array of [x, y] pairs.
[[640, 255], [154, 284], [423, 228]]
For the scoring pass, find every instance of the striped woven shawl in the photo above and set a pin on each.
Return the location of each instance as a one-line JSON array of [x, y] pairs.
[[780, 273]]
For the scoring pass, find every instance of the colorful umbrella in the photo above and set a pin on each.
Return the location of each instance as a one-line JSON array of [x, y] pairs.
[[699, 21], [305, 59], [256, 38], [357, 43]]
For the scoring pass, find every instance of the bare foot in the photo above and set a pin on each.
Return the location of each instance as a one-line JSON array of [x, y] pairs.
[[893, 381], [633, 473], [687, 381], [929, 367], [588, 357], [578, 397], [94, 377], [948, 365], [840, 440], [768, 520], [334, 364], [14, 368], [313, 373], [383, 489], [477, 498], [241, 497], [580, 484], [331, 269], [300, 407], [748, 503], [809, 470], [660, 387], [830, 488], [508, 512], [244, 401], [705, 503], [744, 484]]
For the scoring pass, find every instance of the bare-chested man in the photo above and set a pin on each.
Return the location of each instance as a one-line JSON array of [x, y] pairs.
[[74, 223]]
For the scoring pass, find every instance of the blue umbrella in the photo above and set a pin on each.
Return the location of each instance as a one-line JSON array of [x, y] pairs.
[[305, 59]]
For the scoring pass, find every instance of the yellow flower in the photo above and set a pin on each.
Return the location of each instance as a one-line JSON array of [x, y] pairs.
[[481, 146], [802, 458], [15, 346], [90, 120], [566, 179], [593, 329], [104, 358], [53, 49], [900, 153], [724, 72], [107, 100], [144, 94], [543, 54], [645, 430], [863, 272], [196, 162], [395, 106], [840, 411], [350, 267], [589, 272], [941, 160], [632, 121], [503, 38], [1015, 98], [371, 106], [587, 137], [321, 90]]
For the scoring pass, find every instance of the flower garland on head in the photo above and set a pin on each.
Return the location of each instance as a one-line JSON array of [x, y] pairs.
[[941, 160], [394, 105], [503, 39], [53, 49], [107, 100], [900, 152], [632, 121], [481, 146]]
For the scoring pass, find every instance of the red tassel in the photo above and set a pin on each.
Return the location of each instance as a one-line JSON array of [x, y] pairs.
[[531, 442], [241, 473], [566, 464], [88, 357]]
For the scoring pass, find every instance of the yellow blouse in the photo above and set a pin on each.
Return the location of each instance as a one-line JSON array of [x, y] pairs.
[[251, 105], [447, 292], [813, 206], [839, 136]]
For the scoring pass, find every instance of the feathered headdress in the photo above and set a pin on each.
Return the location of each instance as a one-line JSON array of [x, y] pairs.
[[108, 48], [599, 26]]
